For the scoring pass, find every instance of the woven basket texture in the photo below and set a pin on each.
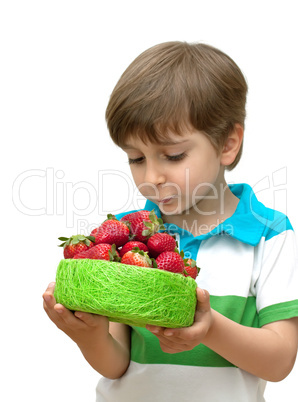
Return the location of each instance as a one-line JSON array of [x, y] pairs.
[[127, 294]]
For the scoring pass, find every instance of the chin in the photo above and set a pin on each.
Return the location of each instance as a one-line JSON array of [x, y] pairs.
[[170, 210]]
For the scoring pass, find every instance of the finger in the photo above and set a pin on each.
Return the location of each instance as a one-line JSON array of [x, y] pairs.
[[64, 318], [169, 347], [158, 332], [52, 308], [48, 296], [172, 344], [155, 329], [179, 334], [91, 320], [203, 300], [51, 287], [170, 333], [61, 310], [170, 341], [203, 306]]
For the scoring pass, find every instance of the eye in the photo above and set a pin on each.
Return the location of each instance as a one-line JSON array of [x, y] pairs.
[[175, 158], [136, 160]]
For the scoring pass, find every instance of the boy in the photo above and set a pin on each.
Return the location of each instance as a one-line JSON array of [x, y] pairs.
[[178, 112]]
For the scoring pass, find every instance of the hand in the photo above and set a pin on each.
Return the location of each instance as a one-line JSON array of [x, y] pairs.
[[82, 328], [174, 340]]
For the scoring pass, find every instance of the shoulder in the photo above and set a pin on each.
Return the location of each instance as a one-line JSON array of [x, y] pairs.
[[256, 220], [276, 223]]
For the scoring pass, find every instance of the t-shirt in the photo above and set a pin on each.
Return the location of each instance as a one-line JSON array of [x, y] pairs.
[[249, 265]]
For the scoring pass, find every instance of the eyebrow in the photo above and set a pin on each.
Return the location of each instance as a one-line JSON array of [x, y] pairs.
[[163, 143]]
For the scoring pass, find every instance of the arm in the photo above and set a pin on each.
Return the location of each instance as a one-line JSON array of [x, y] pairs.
[[268, 352], [106, 346]]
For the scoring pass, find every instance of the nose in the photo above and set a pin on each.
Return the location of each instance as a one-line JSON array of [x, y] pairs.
[[154, 174]]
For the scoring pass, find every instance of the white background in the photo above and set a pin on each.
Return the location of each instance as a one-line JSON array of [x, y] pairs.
[[59, 62]]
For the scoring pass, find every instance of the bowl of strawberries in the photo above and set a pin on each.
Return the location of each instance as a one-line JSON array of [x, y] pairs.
[[129, 270]]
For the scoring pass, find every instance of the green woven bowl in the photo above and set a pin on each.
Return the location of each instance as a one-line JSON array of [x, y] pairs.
[[125, 293]]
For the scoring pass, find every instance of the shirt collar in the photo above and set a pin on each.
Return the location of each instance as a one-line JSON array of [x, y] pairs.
[[248, 222]]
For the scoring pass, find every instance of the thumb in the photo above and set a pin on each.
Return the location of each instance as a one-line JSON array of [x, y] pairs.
[[203, 300]]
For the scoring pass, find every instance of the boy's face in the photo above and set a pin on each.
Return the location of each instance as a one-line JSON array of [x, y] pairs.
[[178, 175]]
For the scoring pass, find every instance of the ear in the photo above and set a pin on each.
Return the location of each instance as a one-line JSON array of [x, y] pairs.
[[232, 145]]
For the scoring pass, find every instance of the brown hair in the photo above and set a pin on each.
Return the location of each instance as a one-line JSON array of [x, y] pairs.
[[178, 85]]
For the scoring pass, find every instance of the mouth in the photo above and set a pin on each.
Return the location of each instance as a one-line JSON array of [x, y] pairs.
[[166, 200]]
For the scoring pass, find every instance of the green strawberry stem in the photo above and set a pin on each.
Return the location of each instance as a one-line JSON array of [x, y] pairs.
[[154, 226], [76, 239], [113, 254]]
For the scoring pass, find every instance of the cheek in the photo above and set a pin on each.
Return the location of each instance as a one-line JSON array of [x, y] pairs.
[[178, 182], [202, 180], [137, 177]]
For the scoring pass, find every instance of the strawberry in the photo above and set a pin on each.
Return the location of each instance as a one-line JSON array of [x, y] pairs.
[[137, 257], [75, 244], [102, 251], [136, 224], [160, 242], [190, 268], [111, 231], [143, 224], [170, 261], [132, 244]]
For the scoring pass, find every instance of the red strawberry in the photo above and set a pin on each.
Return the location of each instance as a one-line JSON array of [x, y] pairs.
[[159, 243], [102, 251], [143, 224], [137, 257], [170, 261], [190, 268], [111, 231], [75, 244], [136, 224], [132, 244]]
